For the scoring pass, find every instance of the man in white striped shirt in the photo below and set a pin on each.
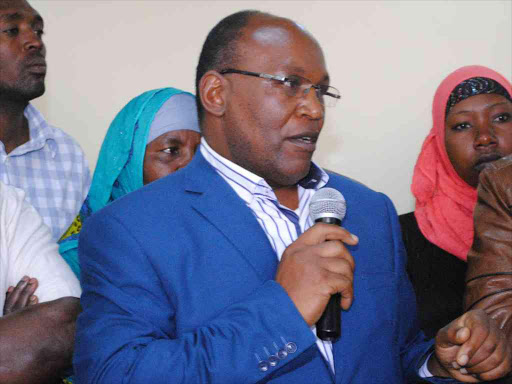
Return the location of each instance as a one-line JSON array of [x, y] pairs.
[[224, 276], [260, 138]]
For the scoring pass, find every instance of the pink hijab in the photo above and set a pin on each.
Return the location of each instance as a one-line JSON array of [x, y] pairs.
[[444, 202]]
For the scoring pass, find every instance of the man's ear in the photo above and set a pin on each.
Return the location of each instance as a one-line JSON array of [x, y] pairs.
[[212, 90]]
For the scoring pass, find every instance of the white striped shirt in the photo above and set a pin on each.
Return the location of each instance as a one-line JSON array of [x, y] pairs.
[[281, 225]]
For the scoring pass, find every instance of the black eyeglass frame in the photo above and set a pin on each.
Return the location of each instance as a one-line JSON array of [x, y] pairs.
[[284, 79]]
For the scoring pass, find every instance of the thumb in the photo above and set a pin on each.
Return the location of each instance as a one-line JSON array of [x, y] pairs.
[[454, 334]]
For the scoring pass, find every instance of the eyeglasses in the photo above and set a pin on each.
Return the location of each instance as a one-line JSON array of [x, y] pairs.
[[296, 86]]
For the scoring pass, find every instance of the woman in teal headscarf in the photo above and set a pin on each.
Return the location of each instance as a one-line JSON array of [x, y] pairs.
[[155, 134]]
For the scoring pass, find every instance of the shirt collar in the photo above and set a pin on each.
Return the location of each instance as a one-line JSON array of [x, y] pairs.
[[40, 133], [315, 179]]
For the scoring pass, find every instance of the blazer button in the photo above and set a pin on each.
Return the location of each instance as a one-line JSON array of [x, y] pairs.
[[263, 366], [273, 360], [291, 347], [282, 354]]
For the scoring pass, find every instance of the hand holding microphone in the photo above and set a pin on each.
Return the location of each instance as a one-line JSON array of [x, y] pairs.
[[316, 266], [328, 206]]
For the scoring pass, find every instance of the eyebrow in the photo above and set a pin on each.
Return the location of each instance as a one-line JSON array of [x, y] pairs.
[[490, 106], [170, 141], [326, 79], [300, 71], [9, 17]]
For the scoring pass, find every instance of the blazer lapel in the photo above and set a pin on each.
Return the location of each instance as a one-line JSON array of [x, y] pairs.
[[218, 203]]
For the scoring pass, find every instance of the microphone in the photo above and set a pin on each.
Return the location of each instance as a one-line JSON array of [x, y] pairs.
[[328, 206]]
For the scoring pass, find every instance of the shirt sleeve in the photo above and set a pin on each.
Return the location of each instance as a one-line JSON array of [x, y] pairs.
[[424, 371], [32, 252]]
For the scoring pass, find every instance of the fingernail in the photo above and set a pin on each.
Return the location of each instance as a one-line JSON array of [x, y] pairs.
[[463, 360], [463, 371], [354, 237], [24, 278], [455, 365]]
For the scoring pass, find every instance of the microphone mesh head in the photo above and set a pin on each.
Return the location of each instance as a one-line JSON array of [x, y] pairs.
[[327, 202]]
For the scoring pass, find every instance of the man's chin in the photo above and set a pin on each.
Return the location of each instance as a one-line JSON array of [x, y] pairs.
[[35, 92], [289, 177], [23, 93], [30, 87]]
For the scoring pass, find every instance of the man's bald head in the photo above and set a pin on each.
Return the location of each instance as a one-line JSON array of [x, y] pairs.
[[259, 112], [220, 48]]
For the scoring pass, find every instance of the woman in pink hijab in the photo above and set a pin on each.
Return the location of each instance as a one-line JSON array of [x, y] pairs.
[[472, 126]]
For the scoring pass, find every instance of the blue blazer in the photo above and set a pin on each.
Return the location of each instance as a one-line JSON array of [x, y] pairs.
[[178, 287]]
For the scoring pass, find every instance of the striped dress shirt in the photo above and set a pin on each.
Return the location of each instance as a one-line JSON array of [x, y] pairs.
[[281, 225]]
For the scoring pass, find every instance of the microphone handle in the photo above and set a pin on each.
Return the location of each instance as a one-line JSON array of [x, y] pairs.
[[328, 327]]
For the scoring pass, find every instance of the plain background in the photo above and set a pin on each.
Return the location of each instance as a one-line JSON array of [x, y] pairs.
[[386, 57]]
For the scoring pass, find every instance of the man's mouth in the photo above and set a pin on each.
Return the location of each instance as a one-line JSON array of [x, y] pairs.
[[306, 141], [37, 69], [36, 65]]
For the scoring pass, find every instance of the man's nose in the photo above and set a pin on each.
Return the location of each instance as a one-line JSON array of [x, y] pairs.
[[311, 105], [32, 40]]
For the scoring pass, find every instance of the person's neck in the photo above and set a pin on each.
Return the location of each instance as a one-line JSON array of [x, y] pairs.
[[288, 196], [13, 124]]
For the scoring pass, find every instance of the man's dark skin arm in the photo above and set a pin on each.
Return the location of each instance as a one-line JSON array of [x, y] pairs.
[[36, 342]]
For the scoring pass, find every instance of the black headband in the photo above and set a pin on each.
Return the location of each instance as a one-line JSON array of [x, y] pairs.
[[472, 87]]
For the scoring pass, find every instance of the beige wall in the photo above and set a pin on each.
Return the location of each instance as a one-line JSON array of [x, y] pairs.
[[386, 57]]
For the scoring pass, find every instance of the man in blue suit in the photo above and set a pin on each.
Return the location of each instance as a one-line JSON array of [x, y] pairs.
[[216, 274]]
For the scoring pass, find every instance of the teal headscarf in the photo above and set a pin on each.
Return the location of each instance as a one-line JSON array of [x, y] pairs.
[[119, 169]]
